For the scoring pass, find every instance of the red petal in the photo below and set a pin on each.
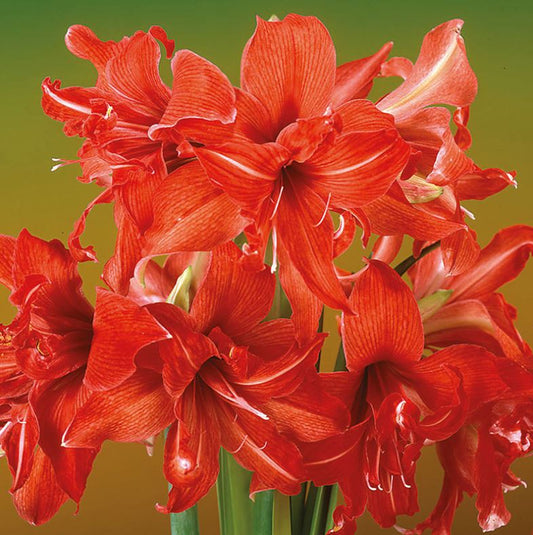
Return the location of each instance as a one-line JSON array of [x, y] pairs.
[[499, 262], [388, 326], [354, 79], [307, 236], [306, 307], [309, 413], [190, 214], [80, 253], [185, 353], [191, 451], [7, 252], [245, 171], [19, 441], [392, 214], [121, 329], [119, 269], [275, 378], [55, 404], [230, 297], [82, 42], [41, 497], [200, 90], [358, 168], [134, 411], [441, 74], [460, 251], [258, 447], [133, 74], [289, 66]]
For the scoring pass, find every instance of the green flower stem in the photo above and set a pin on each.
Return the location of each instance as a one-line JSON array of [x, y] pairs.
[[409, 262], [185, 523], [235, 508], [297, 510], [282, 515], [263, 511], [332, 504]]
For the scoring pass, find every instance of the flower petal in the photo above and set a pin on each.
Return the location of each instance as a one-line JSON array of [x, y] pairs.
[[354, 79], [134, 411], [358, 168], [191, 451], [231, 297], [55, 404], [388, 326], [190, 214], [441, 74], [121, 329], [307, 236], [41, 497], [289, 66], [499, 262], [200, 90]]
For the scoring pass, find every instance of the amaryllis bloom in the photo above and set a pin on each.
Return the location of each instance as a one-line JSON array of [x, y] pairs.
[[43, 354], [477, 459], [221, 378], [131, 120], [466, 308], [399, 400], [302, 144], [444, 175]]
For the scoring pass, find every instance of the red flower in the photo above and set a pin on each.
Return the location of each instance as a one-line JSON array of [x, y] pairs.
[[221, 378], [43, 354], [399, 400], [131, 120], [444, 175], [466, 308], [300, 148]]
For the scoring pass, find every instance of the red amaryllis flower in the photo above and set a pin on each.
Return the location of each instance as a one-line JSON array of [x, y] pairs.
[[477, 458], [222, 378], [444, 175], [466, 308], [43, 354], [299, 148], [131, 119], [399, 400]]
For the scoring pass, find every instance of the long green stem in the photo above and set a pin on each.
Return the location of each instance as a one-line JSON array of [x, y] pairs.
[[185, 523], [234, 506], [282, 524], [297, 509], [263, 510], [332, 504], [409, 262]]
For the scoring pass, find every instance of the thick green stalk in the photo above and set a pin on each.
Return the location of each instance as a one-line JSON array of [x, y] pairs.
[[234, 506], [185, 523], [297, 510], [263, 510], [409, 262], [282, 524], [332, 504]]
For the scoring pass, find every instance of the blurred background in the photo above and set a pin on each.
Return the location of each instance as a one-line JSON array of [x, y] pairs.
[[126, 483]]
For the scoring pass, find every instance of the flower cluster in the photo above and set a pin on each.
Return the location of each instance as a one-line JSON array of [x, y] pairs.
[[290, 165]]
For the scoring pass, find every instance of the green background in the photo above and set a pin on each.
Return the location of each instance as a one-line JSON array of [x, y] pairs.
[[126, 483]]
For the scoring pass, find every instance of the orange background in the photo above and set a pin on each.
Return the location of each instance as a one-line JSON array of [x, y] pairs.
[[125, 482]]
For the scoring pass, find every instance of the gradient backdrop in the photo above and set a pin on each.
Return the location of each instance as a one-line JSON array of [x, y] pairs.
[[126, 483]]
